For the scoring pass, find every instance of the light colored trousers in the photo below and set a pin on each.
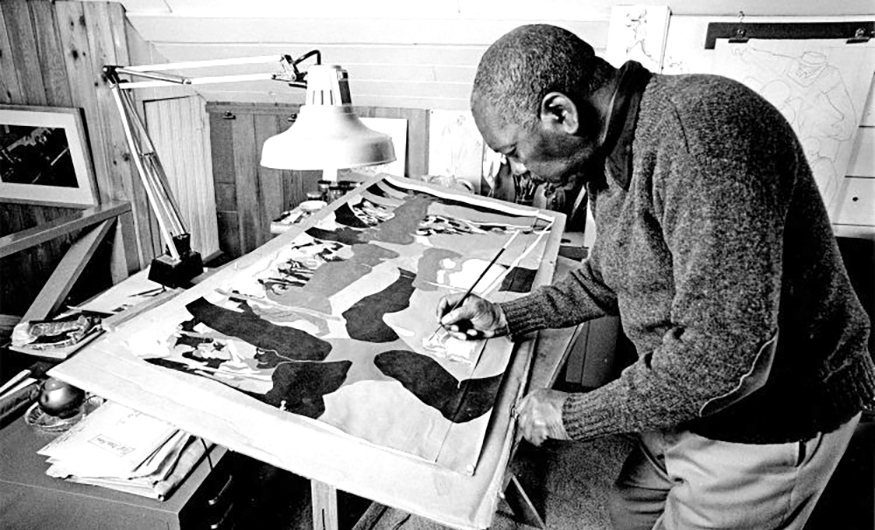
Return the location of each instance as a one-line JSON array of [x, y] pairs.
[[680, 480]]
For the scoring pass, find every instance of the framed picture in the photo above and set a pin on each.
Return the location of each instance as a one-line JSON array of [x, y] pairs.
[[44, 157]]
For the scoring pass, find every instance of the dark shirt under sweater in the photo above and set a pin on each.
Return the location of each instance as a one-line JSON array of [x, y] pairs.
[[718, 243]]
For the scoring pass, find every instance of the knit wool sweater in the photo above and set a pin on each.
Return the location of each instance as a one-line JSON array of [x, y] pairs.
[[721, 262]]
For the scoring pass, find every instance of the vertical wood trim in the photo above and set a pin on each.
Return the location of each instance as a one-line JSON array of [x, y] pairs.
[[25, 54], [324, 506], [204, 169], [175, 129], [271, 180], [10, 87], [417, 142], [125, 259], [54, 71], [251, 231], [224, 183]]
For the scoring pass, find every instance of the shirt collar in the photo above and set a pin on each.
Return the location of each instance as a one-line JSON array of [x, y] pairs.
[[633, 79]]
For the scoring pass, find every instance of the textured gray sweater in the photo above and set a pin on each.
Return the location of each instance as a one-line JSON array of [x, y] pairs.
[[720, 244]]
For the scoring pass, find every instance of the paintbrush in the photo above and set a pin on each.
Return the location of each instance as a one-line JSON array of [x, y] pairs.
[[470, 290]]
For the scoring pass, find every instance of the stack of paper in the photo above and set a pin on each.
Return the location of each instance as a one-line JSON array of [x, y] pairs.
[[122, 449]]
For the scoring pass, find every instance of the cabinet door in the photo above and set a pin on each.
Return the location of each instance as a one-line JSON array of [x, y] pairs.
[[249, 196]]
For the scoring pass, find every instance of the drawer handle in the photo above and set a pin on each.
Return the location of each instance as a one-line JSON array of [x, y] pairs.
[[218, 525], [222, 492]]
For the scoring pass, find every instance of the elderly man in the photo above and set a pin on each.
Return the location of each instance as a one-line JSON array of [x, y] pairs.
[[715, 249]]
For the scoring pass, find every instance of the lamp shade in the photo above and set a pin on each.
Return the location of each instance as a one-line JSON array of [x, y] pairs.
[[327, 134]]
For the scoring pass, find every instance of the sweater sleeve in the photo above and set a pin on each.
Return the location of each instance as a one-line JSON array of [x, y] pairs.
[[722, 221], [579, 297]]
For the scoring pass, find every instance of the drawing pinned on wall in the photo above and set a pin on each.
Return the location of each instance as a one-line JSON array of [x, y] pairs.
[[683, 49], [820, 86], [455, 146], [638, 33]]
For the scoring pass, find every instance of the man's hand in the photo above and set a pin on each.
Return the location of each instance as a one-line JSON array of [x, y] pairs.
[[540, 416], [475, 319]]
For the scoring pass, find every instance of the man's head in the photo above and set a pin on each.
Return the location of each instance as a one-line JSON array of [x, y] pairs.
[[538, 98]]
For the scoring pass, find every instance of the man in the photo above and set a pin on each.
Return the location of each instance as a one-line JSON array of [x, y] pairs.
[[715, 249]]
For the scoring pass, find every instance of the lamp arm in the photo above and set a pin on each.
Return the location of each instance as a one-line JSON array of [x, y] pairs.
[[290, 73], [152, 176]]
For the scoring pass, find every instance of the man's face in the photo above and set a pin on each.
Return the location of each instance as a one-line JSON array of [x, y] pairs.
[[549, 153]]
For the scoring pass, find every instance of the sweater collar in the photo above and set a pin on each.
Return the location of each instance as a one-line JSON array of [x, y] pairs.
[[617, 146]]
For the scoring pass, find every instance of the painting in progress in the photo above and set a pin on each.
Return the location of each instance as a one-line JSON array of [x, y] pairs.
[[339, 325]]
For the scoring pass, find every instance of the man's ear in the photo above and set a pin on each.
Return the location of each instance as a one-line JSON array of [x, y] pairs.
[[558, 112]]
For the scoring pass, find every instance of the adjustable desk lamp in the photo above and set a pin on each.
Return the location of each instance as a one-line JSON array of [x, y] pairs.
[[327, 135]]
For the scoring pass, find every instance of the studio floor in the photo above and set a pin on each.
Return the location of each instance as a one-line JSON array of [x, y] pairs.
[[567, 482]]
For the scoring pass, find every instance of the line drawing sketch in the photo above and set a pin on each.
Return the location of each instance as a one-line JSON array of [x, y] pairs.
[[638, 33], [820, 88]]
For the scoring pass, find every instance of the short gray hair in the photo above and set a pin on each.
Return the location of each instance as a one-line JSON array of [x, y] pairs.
[[526, 64]]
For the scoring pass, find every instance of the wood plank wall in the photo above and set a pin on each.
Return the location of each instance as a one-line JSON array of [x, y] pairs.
[[52, 54], [424, 62], [249, 196], [180, 130]]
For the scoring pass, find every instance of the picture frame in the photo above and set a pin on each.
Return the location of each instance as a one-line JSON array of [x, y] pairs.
[[45, 158]]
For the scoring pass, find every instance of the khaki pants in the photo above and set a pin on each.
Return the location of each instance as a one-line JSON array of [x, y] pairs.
[[680, 480]]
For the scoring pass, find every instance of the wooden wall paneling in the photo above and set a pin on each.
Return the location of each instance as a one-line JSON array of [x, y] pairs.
[[312, 33], [19, 273], [271, 185], [346, 55], [148, 235], [22, 274], [53, 69], [149, 241], [225, 182], [177, 130], [103, 48], [202, 187], [107, 44], [83, 81], [25, 54], [252, 233], [10, 88]]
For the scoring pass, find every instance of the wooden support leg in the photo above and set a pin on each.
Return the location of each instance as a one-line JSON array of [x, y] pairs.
[[125, 260], [66, 273], [324, 502], [521, 504]]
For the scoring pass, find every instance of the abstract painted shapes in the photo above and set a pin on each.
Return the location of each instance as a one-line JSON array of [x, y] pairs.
[[457, 401]]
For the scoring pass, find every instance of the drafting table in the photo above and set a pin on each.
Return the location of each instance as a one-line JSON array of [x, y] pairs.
[[329, 458]]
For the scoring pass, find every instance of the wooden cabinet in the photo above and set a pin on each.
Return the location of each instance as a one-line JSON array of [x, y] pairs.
[[30, 499], [249, 196]]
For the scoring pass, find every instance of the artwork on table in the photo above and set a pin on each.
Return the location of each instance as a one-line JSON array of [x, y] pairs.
[[820, 86], [44, 157], [338, 326], [638, 33]]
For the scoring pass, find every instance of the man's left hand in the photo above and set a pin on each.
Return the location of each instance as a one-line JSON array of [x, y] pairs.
[[540, 416]]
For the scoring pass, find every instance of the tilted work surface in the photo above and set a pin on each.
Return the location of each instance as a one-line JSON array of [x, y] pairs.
[[317, 352]]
